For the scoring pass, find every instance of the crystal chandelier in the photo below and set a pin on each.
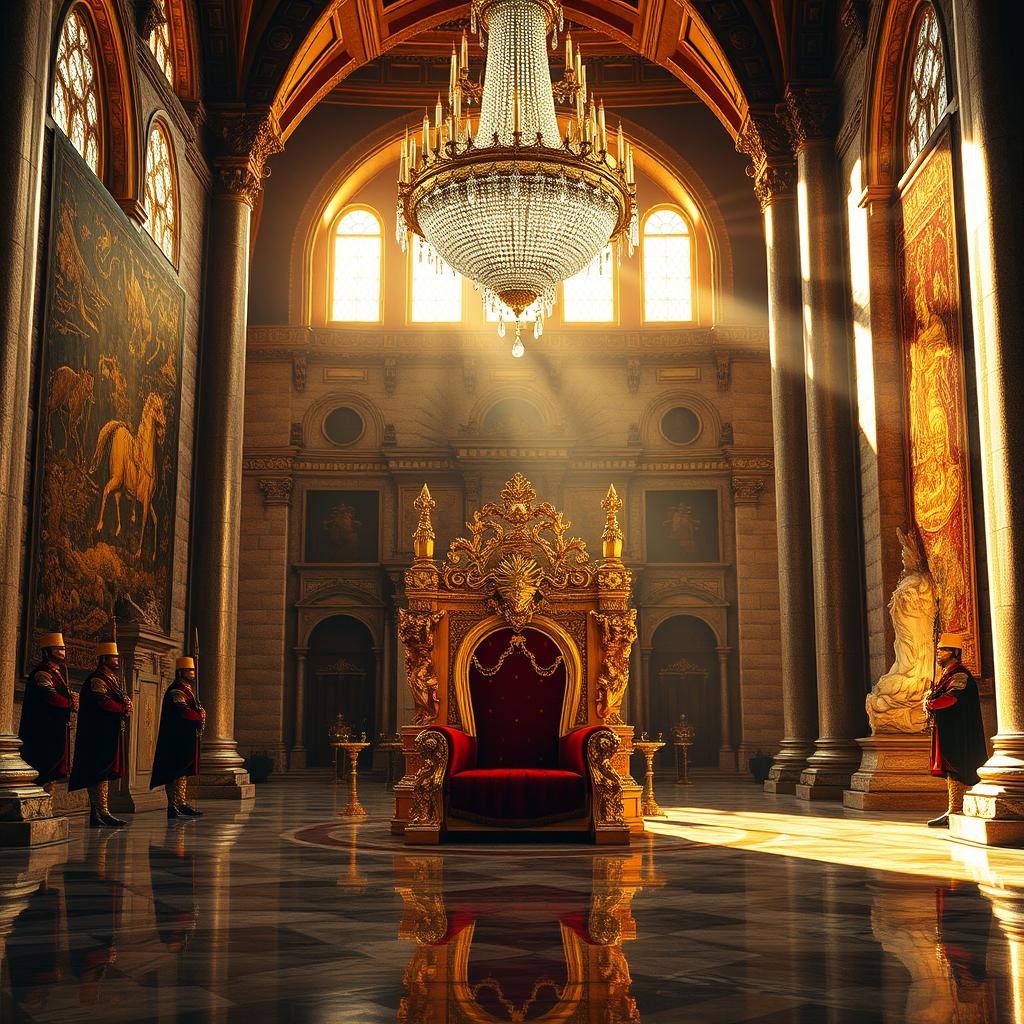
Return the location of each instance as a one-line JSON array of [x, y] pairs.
[[516, 206]]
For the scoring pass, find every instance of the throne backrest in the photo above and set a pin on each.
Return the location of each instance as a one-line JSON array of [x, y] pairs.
[[517, 687]]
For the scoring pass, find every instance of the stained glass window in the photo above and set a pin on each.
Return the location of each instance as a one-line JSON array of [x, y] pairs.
[[161, 196], [589, 297], [436, 288], [666, 268], [925, 97], [358, 254], [76, 96], [160, 44]]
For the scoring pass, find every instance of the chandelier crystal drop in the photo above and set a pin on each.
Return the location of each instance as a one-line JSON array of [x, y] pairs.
[[514, 205]]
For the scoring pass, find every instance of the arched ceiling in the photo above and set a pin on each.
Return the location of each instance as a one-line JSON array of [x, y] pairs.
[[285, 55]]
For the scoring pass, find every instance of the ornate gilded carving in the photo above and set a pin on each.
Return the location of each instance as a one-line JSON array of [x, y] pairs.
[[423, 535], [517, 526], [606, 785], [611, 538], [276, 491], [618, 634], [683, 667], [515, 590], [428, 787], [517, 642], [416, 631]]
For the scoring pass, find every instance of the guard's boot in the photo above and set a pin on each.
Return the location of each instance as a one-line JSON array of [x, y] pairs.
[[95, 820], [188, 811], [942, 821], [172, 804], [185, 809], [102, 807]]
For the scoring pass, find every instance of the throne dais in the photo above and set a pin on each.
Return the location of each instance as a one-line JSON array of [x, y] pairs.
[[517, 658]]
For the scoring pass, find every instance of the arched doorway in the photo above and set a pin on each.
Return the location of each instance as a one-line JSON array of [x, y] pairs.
[[684, 680], [340, 676]]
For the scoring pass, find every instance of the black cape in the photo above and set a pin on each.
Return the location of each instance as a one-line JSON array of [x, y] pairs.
[[45, 729], [99, 740], [177, 744], [958, 744]]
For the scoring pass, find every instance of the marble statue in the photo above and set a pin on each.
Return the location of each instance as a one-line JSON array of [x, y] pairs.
[[894, 703]]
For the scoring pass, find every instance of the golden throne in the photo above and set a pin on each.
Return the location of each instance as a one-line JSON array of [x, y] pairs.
[[517, 657]]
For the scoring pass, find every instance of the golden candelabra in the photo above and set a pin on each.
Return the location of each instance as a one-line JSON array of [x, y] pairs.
[[682, 740], [648, 805], [353, 809]]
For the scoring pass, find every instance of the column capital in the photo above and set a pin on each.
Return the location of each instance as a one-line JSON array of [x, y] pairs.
[[764, 137], [809, 113], [243, 140], [276, 490], [747, 490]]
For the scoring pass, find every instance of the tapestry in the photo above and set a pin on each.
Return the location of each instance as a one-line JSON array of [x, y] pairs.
[[682, 526], [342, 526], [107, 420], [935, 402]]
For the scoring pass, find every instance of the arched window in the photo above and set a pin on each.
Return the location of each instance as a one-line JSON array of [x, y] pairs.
[[358, 256], [436, 289], [161, 191], [666, 267], [160, 44], [76, 94], [589, 297], [925, 92]]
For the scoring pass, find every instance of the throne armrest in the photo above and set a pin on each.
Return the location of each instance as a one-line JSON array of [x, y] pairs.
[[572, 749], [461, 749]]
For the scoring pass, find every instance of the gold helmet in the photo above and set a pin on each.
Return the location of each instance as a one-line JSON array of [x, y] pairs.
[[107, 649], [950, 642], [52, 640], [185, 662]]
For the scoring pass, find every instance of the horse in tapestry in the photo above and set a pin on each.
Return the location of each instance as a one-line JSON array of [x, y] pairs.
[[131, 468]]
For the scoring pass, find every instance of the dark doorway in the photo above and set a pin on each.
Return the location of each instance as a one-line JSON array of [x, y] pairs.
[[684, 680], [340, 676]]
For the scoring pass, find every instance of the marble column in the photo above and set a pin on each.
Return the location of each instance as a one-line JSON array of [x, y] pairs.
[[992, 153], [247, 139], [297, 757], [379, 686], [831, 450], [763, 138], [26, 811], [726, 752]]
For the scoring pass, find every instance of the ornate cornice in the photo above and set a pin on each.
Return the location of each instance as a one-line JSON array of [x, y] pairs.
[[809, 113], [243, 142]]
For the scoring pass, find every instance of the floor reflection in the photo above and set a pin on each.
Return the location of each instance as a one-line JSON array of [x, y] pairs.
[[235, 919], [513, 952]]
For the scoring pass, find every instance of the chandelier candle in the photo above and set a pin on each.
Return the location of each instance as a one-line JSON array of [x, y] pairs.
[[516, 207]]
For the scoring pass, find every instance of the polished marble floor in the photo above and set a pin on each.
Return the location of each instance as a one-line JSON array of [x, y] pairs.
[[736, 907]]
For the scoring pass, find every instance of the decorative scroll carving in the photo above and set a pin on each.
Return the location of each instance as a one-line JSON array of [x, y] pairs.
[[416, 631], [340, 667], [517, 527], [428, 787], [605, 782], [683, 667], [299, 371], [618, 634], [276, 490]]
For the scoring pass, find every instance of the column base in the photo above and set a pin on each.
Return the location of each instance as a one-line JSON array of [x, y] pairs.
[[33, 832], [829, 770], [229, 784], [986, 831], [727, 759], [789, 764], [818, 791], [781, 786], [893, 775], [297, 758]]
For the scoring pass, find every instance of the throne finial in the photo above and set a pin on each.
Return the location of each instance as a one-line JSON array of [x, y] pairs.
[[423, 535], [611, 539]]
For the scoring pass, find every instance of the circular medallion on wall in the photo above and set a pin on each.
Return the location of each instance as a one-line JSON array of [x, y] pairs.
[[680, 425], [343, 426]]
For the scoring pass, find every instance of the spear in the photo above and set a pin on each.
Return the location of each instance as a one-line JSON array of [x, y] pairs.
[[195, 659]]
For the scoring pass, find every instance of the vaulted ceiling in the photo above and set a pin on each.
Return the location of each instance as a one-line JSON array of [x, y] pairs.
[[287, 55]]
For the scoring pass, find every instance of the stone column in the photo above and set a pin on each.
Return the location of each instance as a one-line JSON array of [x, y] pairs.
[[26, 811], [992, 152], [248, 138], [831, 449], [380, 697], [297, 758], [643, 703], [763, 138], [726, 752]]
